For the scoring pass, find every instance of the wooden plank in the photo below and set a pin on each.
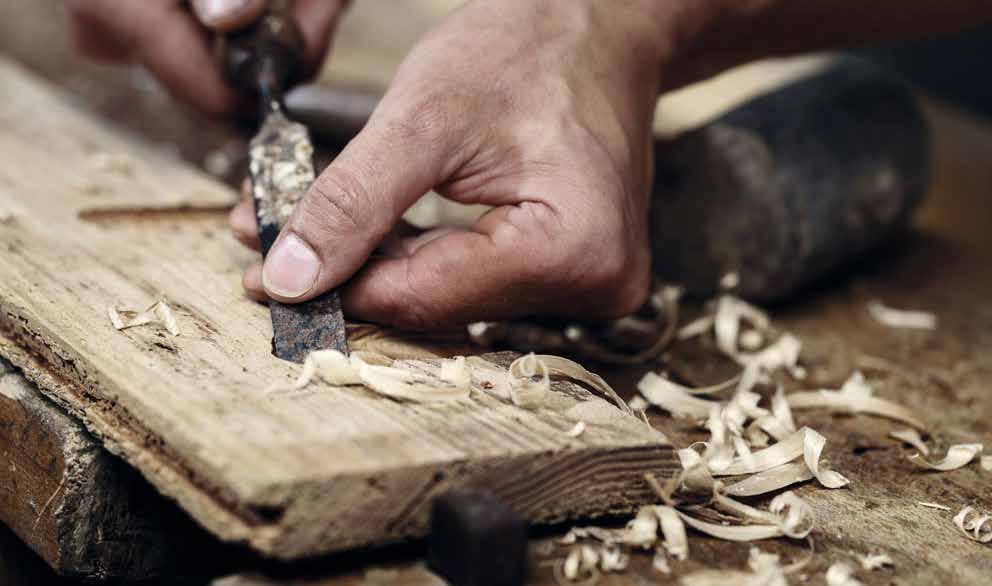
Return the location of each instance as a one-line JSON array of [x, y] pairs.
[[94, 219], [86, 513]]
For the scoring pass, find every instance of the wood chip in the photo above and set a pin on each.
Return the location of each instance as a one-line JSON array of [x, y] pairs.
[[939, 507], [898, 318], [158, 314]]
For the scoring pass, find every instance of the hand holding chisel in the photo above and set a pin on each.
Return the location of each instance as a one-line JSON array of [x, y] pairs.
[[264, 59]]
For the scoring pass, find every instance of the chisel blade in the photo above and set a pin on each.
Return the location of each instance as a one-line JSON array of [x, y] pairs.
[[281, 171]]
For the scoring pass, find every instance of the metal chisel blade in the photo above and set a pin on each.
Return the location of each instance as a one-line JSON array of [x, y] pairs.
[[281, 171]]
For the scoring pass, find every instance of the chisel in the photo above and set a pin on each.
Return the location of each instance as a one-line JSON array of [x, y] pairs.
[[264, 60]]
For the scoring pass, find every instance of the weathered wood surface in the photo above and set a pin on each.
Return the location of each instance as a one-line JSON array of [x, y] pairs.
[[86, 513], [294, 473]]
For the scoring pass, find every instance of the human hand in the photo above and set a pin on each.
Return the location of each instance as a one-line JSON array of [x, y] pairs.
[[539, 108], [174, 43]]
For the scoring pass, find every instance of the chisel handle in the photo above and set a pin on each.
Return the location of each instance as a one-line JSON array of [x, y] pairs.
[[265, 58]]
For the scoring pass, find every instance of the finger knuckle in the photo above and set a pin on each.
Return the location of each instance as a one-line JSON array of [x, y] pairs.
[[339, 202], [423, 119]]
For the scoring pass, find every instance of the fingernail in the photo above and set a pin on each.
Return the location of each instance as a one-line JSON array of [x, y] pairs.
[[291, 268], [211, 11]]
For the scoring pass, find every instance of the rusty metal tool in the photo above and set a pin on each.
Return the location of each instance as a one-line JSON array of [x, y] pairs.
[[264, 60]]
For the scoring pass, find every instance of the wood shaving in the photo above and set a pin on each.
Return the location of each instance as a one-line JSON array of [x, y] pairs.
[[898, 318], [576, 430], [675, 543], [805, 442], [399, 383], [958, 456], [579, 568], [638, 403], [383, 376], [771, 480], [872, 562], [790, 514], [855, 396], [731, 312], [558, 366], [673, 397], [525, 391], [841, 574], [159, 314], [939, 507], [911, 437], [975, 526], [783, 354], [986, 463]]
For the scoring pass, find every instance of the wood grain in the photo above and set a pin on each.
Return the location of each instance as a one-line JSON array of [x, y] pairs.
[[86, 513], [96, 220]]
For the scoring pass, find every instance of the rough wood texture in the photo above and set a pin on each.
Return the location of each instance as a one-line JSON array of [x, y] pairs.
[[294, 474], [86, 513]]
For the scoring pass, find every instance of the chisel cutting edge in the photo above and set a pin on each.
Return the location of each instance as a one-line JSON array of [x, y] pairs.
[[264, 59]]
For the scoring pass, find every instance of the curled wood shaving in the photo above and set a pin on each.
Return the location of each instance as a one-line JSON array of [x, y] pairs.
[[383, 376], [159, 313], [524, 390], [911, 437], [812, 447], [403, 384], [732, 532], [841, 574], [975, 526], [782, 354], [898, 318], [872, 562], [558, 366], [805, 442], [958, 456], [731, 312], [793, 516], [855, 396]]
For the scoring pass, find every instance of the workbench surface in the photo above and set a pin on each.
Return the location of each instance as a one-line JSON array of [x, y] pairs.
[[942, 266]]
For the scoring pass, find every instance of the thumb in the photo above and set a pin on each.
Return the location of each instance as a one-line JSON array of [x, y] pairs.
[[228, 15], [400, 155]]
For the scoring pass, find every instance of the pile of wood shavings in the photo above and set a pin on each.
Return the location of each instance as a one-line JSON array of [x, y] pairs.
[[526, 383], [736, 426]]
